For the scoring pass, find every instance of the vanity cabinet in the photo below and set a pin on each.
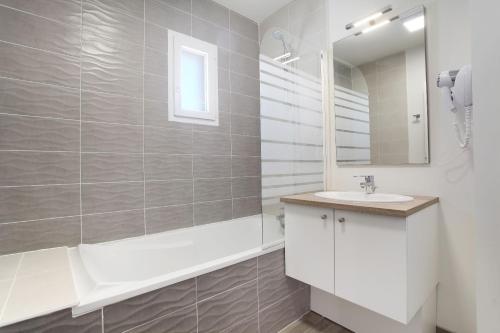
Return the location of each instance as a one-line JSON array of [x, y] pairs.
[[309, 237], [387, 264]]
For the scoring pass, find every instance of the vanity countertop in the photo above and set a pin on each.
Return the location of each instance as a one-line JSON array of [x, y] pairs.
[[400, 209], [35, 283]]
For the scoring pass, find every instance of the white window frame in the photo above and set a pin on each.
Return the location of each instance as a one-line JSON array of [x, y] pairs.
[[178, 42]]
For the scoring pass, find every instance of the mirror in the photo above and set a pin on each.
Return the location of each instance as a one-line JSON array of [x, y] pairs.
[[380, 92]]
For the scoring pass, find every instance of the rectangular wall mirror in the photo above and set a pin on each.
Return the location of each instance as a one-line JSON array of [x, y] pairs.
[[380, 92]]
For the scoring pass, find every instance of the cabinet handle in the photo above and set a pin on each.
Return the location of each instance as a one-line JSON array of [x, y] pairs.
[[341, 220], [324, 217]]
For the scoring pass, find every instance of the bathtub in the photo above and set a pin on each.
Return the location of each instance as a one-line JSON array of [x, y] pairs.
[[110, 272]]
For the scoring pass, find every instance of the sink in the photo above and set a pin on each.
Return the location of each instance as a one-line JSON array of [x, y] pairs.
[[364, 197]]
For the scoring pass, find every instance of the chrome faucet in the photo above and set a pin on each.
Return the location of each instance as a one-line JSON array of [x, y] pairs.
[[369, 184]]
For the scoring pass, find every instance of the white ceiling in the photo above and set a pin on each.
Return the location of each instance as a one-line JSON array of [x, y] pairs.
[[256, 10]]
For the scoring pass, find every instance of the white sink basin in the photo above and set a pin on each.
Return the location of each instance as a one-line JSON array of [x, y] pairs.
[[363, 197]]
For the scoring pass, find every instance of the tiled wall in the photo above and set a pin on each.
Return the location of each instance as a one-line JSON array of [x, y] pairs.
[[238, 299], [86, 151], [385, 80]]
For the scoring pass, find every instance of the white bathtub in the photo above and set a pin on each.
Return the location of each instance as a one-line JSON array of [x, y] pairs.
[[110, 272]]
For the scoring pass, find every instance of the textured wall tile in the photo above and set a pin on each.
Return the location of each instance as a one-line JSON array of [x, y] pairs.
[[282, 313], [167, 141], [168, 167], [25, 133], [247, 326], [245, 85], [144, 308], [213, 211], [106, 72], [244, 26], [157, 37], [212, 166], [111, 226], [246, 166], [246, 187], [210, 33], [273, 283], [107, 108], [246, 207], [169, 218], [223, 57], [108, 167], [156, 114], [244, 125], [211, 11], [244, 65], [59, 322], [102, 22], [184, 5], [25, 29], [227, 309], [214, 283], [156, 87], [38, 168], [244, 46], [272, 261], [166, 193], [180, 321], [245, 145], [66, 11], [245, 105], [223, 128], [212, 189], [38, 202], [224, 101], [32, 99], [155, 62], [28, 236], [110, 197], [98, 137], [35, 65], [223, 80], [211, 144], [166, 16], [129, 7]]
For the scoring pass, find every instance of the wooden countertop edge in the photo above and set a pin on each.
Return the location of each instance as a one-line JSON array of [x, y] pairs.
[[361, 208]]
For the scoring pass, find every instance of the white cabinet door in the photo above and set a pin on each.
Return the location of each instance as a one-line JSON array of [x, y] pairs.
[[309, 245], [370, 262]]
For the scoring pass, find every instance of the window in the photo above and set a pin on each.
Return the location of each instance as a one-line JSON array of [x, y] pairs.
[[192, 80]]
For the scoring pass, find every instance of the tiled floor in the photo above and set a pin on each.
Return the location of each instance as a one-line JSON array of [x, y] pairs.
[[314, 323]]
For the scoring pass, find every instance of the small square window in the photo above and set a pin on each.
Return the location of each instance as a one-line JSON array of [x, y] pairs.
[[192, 80]]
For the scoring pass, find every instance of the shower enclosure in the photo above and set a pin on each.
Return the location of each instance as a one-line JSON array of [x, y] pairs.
[[291, 81]]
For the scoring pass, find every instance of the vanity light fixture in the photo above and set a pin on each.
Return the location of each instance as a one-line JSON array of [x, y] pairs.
[[415, 23], [369, 19], [376, 26]]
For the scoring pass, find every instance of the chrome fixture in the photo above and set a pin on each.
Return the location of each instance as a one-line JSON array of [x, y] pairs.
[[281, 218], [287, 56], [370, 19], [369, 184]]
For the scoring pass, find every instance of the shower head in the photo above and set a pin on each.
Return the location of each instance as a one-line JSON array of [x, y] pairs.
[[277, 34], [287, 53]]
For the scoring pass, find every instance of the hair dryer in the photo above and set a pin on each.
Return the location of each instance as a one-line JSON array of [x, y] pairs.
[[457, 85]]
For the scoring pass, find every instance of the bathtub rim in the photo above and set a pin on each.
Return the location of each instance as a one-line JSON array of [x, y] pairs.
[[96, 301]]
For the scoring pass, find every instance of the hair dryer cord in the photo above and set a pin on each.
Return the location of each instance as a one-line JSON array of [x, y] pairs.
[[465, 139]]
